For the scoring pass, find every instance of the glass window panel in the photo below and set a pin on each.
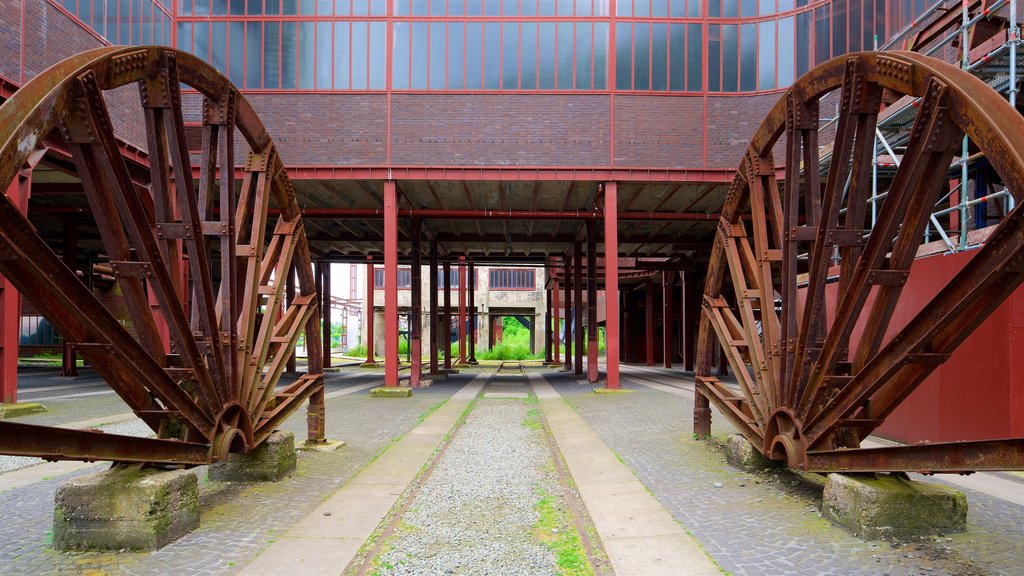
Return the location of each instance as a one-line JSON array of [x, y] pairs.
[[730, 55], [306, 7], [219, 7], [766, 7], [158, 28], [677, 57], [642, 56], [184, 33], [324, 51], [641, 8], [880, 22], [492, 7], [766, 55], [623, 8], [546, 8], [420, 7], [548, 56], [253, 53], [236, 64], [307, 48], [584, 55], [289, 7], [456, 8], [107, 14], [803, 42], [271, 55], [378, 55], [474, 7], [529, 7], [694, 65], [787, 64], [167, 30], [821, 34], [360, 7], [693, 8], [748, 57], [785, 5], [201, 41], [289, 47], [659, 56], [748, 8], [184, 8], [474, 55], [399, 56], [510, 8], [839, 28], [714, 8], [342, 7], [565, 7], [565, 58], [492, 55], [584, 8], [659, 8], [510, 56], [456, 56], [378, 7], [401, 7], [528, 66], [253, 7], [147, 24], [325, 7], [731, 8], [677, 8], [438, 45], [714, 58], [867, 39], [438, 8], [236, 7], [271, 6], [853, 37], [359, 55], [219, 46], [419, 56], [600, 55], [623, 56]]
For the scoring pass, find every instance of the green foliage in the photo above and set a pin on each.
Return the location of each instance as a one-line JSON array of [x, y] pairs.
[[557, 531], [507, 351], [358, 352]]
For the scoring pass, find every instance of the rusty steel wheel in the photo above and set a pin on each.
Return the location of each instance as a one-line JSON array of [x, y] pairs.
[[230, 332], [809, 393]]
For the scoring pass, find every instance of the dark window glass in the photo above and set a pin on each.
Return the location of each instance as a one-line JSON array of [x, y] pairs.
[[201, 40], [867, 39], [600, 55], [220, 7], [694, 54], [548, 56], [748, 57], [306, 7], [584, 55], [185, 36], [677, 57], [714, 8], [677, 8], [880, 22], [324, 51], [289, 45], [253, 53], [236, 64], [456, 56], [731, 8], [730, 54], [693, 8], [803, 43], [623, 56], [641, 56], [529, 56], [659, 56], [438, 44], [821, 34], [510, 56], [714, 58], [419, 56], [565, 58], [787, 65], [289, 7], [400, 56], [474, 55], [307, 46], [766, 55], [839, 28], [271, 6], [271, 55], [492, 55], [360, 56], [855, 8]]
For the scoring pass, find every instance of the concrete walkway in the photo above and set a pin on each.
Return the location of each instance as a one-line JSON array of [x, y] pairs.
[[640, 536], [326, 540]]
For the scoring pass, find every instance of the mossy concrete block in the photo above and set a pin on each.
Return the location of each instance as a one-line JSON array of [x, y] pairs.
[[391, 392], [741, 454], [325, 446], [891, 508], [20, 409], [271, 461], [608, 391], [125, 508]]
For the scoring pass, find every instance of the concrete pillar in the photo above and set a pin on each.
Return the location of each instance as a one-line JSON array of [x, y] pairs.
[[567, 274], [471, 280], [325, 302], [649, 324], [592, 371], [69, 359], [370, 359], [577, 284], [611, 284], [390, 283], [666, 317], [433, 323], [463, 283], [446, 320], [416, 307]]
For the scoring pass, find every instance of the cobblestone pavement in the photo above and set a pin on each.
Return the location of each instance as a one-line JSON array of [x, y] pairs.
[[237, 519], [770, 524]]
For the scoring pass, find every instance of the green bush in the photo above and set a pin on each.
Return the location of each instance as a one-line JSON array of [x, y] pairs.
[[507, 351]]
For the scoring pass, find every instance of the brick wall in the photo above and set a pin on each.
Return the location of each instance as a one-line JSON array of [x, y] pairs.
[[731, 122], [10, 38], [659, 131]]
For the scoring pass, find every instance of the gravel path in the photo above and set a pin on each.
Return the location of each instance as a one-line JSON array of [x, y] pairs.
[[475, 513]]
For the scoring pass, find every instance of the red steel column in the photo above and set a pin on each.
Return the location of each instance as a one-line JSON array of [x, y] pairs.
[[471, 329], [568, 311], [592, 371], [416, 307], [691, 315], [446, 319], [547, 325], [462, 310], [390, 283], [611, 284], [432, 322], [69, 360], [666, 317], [556, 339], [649, 324], [10, 302], [325, 299], [370, 359], [577, 284]]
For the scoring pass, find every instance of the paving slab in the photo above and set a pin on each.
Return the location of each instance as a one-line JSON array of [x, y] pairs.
[[639, 534]]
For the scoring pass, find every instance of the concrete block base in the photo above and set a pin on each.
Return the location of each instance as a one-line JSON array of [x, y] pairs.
[[369, 365], [125, 508], [891, 508], [269, 462], [327, 446], [608, 391], [20, 409], [391, 392], [742, 455]]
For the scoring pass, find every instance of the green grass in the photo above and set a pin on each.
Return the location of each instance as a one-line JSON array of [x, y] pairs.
[[532, 420], [565, 543], [508, 351]]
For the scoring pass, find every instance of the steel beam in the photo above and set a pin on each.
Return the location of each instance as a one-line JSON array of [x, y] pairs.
[[592, 371], [556, 335], [446, 319], [577, 284], [471, 329], [10, 301], [567, 275], [463, 282], [649, 320], [459, 214], [325, 299], [611, 285], [390, 283]]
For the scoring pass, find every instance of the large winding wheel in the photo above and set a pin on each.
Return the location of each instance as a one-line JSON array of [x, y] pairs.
[[809, 391], [204, 353]]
